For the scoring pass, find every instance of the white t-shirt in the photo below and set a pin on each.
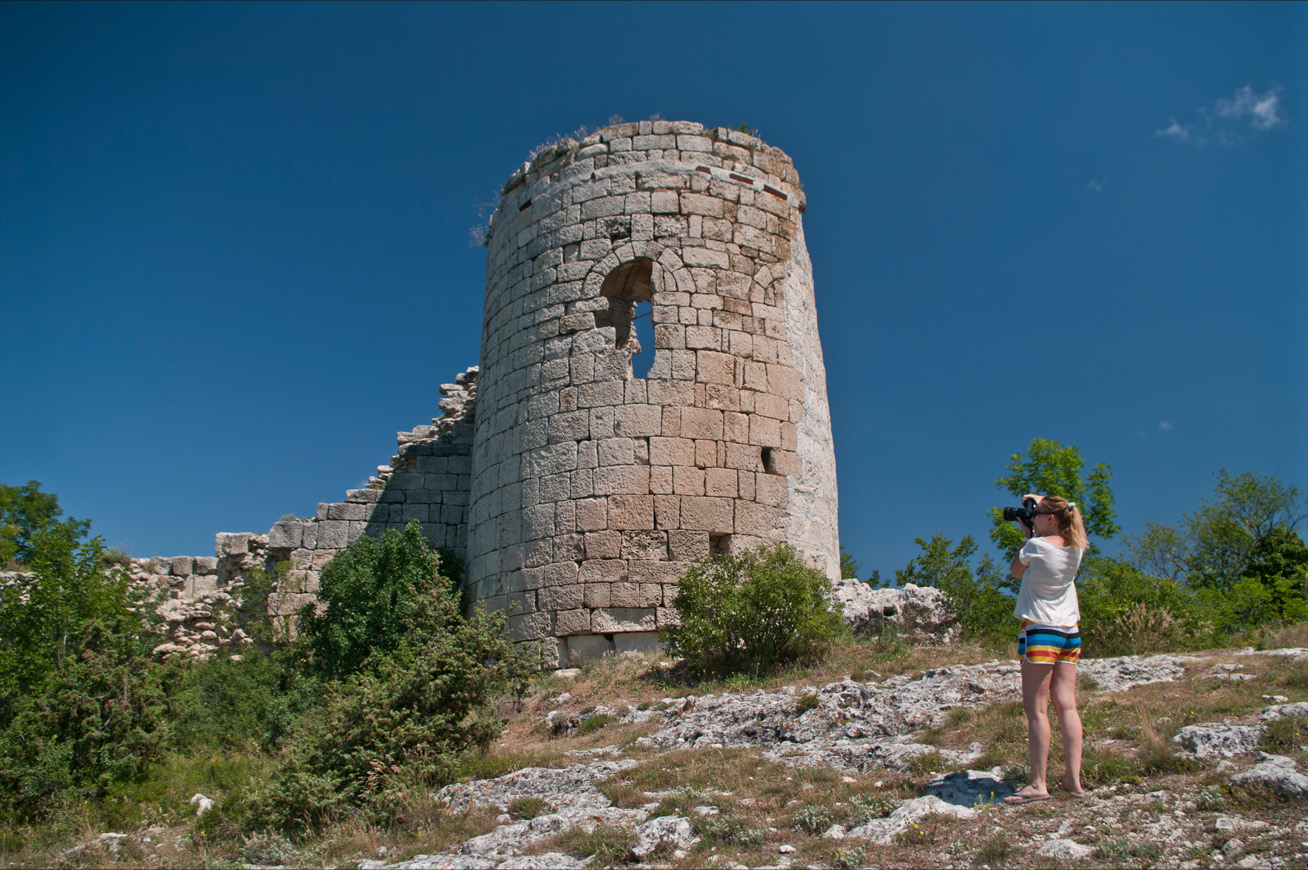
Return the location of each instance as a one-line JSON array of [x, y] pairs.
[[1048, 595]]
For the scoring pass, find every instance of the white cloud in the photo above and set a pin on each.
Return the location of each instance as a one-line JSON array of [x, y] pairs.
[[1261, 110], [1096, 185], [1164, 425], [1174, 130], [1232, 120]]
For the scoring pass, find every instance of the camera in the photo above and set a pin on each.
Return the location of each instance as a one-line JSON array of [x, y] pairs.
[[1026, 513]]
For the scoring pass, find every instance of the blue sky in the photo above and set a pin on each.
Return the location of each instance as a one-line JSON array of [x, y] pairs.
[[235, 248]]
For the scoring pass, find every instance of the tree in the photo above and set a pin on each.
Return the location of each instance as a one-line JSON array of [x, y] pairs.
[[848, 566], [1049, 468], [81, 699], [983, 608], [1239, 552], [26, 511]]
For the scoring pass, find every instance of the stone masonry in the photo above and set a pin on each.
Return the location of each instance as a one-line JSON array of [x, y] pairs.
[[575, 492], [593, 490]]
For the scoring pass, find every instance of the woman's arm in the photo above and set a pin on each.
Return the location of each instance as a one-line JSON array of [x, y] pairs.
[[1017, 568]]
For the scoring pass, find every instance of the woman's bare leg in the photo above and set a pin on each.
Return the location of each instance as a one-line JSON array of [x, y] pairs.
[[1035, 698], [1063, 689]]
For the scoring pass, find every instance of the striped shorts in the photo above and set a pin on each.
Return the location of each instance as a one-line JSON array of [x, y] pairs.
[[1048, 644]]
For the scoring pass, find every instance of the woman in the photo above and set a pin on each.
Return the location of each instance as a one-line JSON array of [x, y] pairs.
[[1049, 643]]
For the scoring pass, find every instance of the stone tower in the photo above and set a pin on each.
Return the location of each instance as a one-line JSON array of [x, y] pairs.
[[593, 489]]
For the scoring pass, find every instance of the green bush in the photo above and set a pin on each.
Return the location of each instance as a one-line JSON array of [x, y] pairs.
[[81, 699], [371, 592], [232, 702], [403, 722], [752, 613]]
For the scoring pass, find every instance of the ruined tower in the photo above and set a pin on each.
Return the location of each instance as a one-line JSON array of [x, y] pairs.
[[594, 487]]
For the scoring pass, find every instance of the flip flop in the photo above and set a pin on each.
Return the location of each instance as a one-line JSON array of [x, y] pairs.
[[1017, 799]]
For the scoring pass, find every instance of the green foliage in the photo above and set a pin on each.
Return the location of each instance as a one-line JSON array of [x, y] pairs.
[[804, 703], [25, 513], [371, 593], [81, 701], [752, 613], [402, 722], [812, 820], [1238, 554], [1049, 468], [240, 701], [848, 566], [1123, 608], [984, 610]]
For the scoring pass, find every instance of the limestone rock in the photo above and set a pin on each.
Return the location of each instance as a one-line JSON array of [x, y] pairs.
[[670, 829], [921, 614], [1277, 773], [882, 831], [1219, 740], [1064, 849]]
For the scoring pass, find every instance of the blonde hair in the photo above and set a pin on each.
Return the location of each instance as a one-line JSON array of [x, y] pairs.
[[1068, 515]]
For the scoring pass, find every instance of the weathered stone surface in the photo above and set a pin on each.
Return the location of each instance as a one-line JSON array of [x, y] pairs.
[[1277, 772], [1064, 849], [921, 614], [883, 831], [1219, 740]]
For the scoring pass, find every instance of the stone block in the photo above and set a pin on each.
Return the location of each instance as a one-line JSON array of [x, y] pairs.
[[694, 203], [362, 496], [592, 514], [764, 431], [596, 595], [657, 573], [587, 648], [707, 514], [636, 642], [667, 512], [415, 513], [759, 520], [712, 367], [616, 451], [671, 451], [771, 489], [206, 565], [687, 480], [601, 393], [631, 512], [701, 423], [609, 620], [332, 534], [720, 482], [660, 480], [602, 571], [603, 545], [559, 574], [622, 480], [735, 426], [560, 597], [572, 622], [529, 626], [686, 546], [709, 454]]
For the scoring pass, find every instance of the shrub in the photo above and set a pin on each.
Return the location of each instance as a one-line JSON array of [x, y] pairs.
[[81, 699], [371, 592], [812, 820], [753, 613], [403, 723]]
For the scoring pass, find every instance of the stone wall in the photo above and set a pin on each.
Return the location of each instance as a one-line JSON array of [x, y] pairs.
[[593, 490], [428, 480]]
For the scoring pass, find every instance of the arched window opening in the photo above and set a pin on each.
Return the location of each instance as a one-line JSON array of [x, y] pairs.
[[629, 290], [643, 324]]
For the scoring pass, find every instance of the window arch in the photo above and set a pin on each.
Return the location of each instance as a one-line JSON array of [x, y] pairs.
[[629, 290]]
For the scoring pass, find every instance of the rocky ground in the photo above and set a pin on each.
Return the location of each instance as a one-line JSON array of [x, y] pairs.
[[1233, 805], [1191, 761]]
